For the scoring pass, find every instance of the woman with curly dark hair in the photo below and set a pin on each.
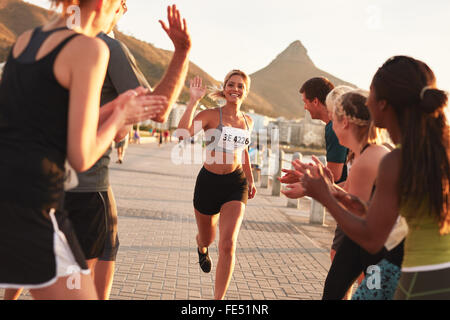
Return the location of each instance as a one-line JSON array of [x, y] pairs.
[[225, 182]]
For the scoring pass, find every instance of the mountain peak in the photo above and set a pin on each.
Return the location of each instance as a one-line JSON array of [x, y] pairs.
[[295, 52], [297, 46], [280, 81]]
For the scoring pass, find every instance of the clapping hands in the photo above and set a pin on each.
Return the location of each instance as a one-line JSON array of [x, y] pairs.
[[317, 181], [137, 105], [311, 179]]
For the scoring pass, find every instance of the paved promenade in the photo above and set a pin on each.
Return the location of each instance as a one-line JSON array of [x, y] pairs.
[[279, 254]]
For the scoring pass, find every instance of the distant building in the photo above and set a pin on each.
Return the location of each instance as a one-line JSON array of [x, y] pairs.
[[305, 132], [260, 122]]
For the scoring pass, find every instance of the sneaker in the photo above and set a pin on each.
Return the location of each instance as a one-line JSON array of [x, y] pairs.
[[204, 260]]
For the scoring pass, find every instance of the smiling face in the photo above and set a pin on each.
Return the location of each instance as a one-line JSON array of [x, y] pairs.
[[311, 106], [235, 89]]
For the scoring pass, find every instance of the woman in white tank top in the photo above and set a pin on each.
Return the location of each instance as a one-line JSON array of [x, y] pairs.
[[225, 182]]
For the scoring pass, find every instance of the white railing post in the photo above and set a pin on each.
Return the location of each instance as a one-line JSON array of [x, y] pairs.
[[317, 212], [265, 170], [276, 184]]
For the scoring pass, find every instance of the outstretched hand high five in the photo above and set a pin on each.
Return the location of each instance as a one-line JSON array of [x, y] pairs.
[[177, 29], [196, 90]]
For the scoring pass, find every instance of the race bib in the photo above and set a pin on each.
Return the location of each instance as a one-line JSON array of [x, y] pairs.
[[234, 138]]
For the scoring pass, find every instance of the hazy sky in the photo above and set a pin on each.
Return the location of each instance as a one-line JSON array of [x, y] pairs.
[[347, 38]]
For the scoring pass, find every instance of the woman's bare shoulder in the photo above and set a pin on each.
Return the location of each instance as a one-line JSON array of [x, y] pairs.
[[88, 46], [390, 164], [209, 113], [376, 150], [371, 158], [209, 118], [249, 120]]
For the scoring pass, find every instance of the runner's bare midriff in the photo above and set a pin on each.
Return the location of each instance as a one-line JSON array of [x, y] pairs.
[[229, 163]]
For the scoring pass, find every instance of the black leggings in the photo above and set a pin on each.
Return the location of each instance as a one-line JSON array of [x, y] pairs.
[[348, 263]]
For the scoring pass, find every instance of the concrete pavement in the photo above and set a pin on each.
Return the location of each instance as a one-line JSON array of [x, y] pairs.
[[279, 254]]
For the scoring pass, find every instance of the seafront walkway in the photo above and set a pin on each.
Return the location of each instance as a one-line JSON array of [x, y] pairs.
[[279, 254]]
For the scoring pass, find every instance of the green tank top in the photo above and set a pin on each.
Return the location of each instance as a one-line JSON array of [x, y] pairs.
[[424, 245]]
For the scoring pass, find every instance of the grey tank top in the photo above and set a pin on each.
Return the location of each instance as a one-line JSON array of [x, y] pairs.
[[122, 75], [227, 142]]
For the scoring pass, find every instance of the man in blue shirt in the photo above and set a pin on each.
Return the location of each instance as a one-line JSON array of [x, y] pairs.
[[314, 93]]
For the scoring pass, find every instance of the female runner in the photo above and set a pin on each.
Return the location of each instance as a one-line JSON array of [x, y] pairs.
[[225, 182]]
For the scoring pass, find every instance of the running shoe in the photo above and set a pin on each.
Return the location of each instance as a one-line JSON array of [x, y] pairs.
[[204, 260]]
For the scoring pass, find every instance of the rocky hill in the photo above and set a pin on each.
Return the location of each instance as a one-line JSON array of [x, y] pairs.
[[281, 80], [17, 16], [274, 88]]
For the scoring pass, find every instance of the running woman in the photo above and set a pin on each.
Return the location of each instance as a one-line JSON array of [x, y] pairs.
[[225, 182], [49, 111], [413, 180]]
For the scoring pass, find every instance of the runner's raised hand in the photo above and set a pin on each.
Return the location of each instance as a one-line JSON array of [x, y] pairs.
[[196, 90]]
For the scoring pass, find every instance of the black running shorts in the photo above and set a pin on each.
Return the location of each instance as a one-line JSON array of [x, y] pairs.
[[37, 247], [214, 190], [94, 218]]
